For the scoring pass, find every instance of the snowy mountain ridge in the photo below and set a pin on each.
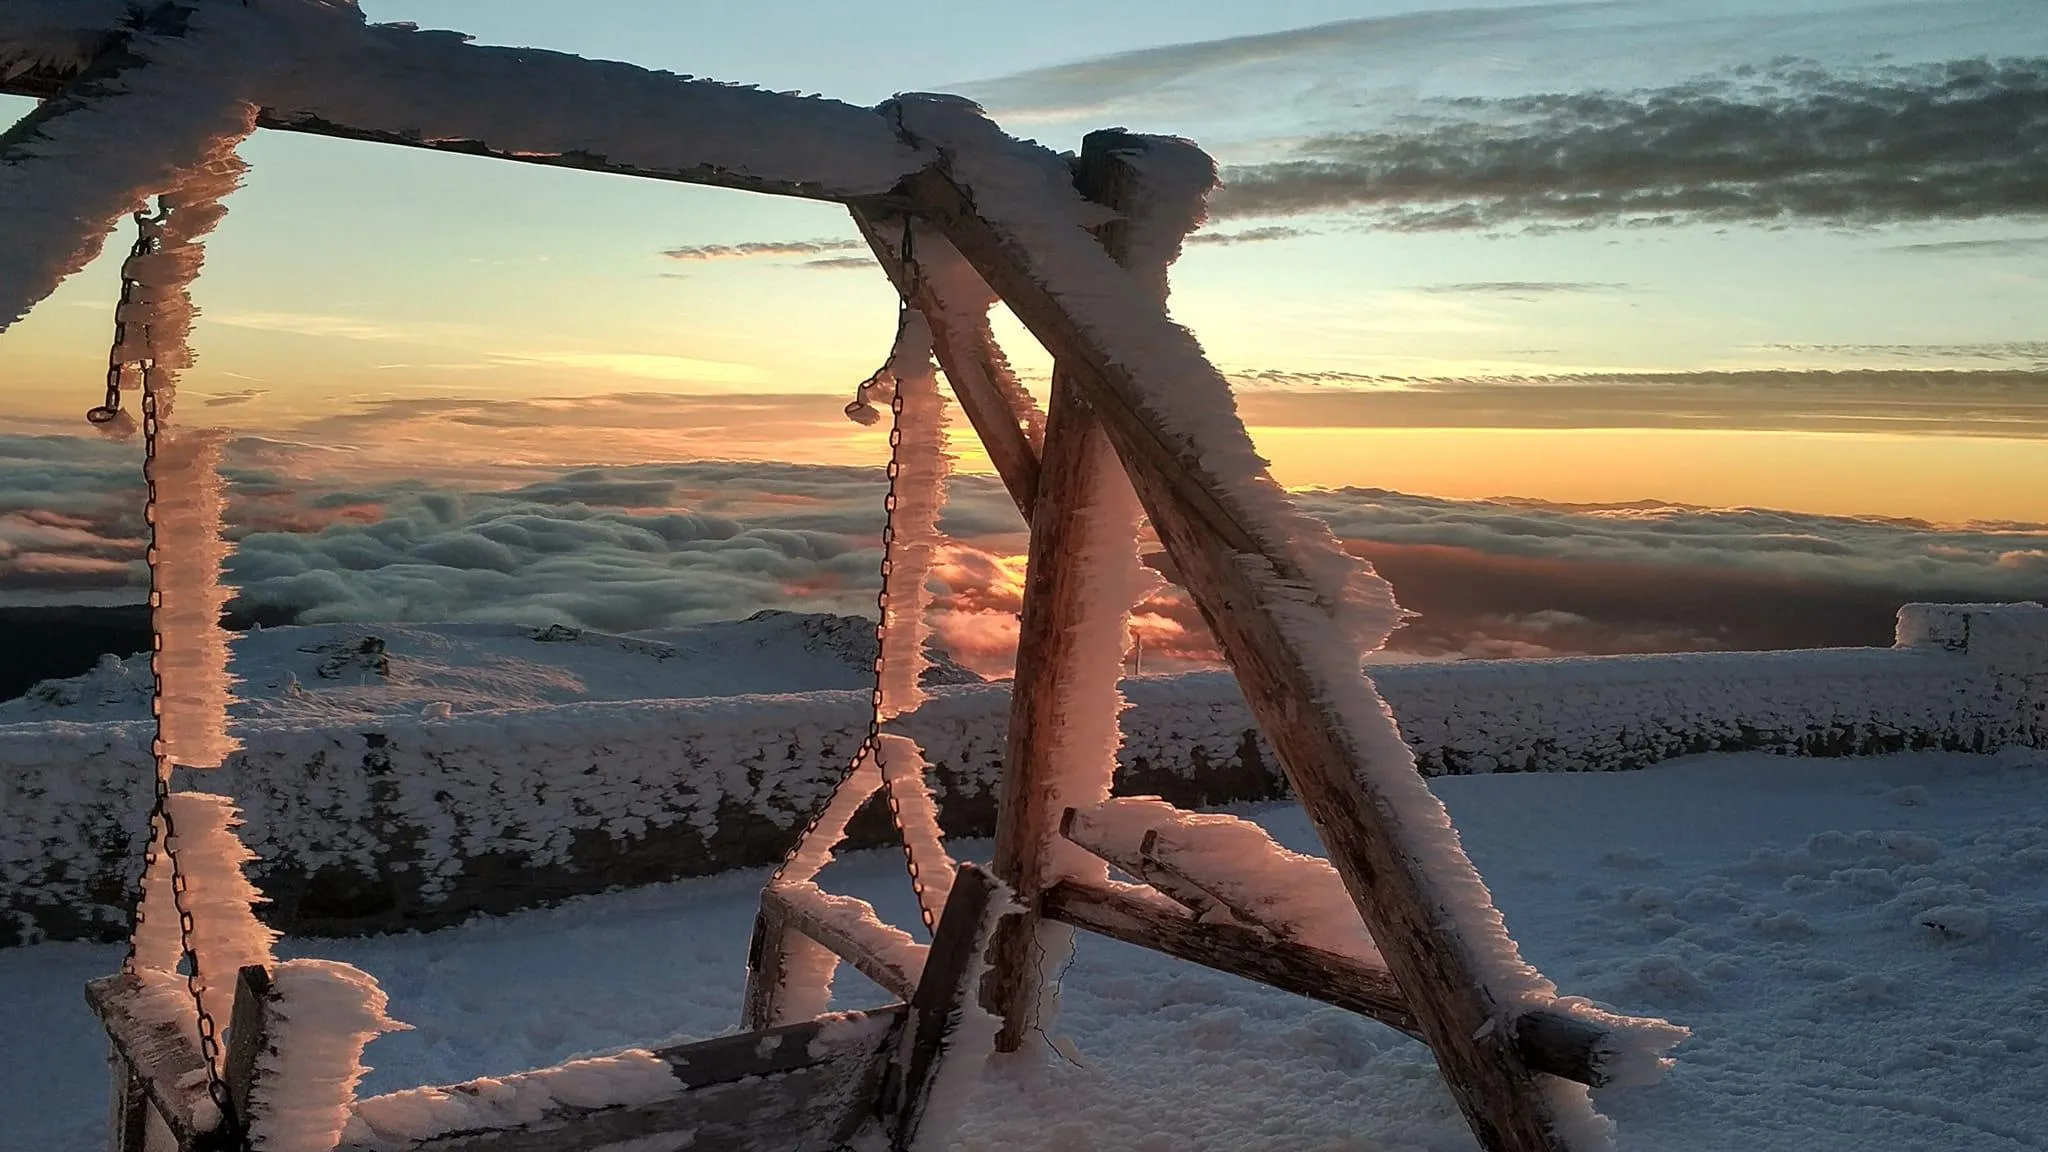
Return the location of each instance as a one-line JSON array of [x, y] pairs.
[[337, 672]]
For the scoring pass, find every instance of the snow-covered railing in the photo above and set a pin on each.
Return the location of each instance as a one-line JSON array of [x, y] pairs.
[[421, 822]]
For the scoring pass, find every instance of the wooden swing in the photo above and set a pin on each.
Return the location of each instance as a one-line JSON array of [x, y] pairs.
[[1438, 967], [812, 1083]]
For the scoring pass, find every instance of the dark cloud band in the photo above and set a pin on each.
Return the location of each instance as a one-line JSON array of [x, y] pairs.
[[1963, 140]]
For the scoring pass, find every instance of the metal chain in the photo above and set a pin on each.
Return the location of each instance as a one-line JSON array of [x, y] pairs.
[[145, 243], [209, 1030], [871, 743]]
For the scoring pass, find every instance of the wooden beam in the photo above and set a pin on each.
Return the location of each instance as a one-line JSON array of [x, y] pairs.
[[1238, 949], [1054, 587], [759, 1091], [158, 1053], [1163, 878], [1217, 558], [127, 1105], [971, 361], [802, 908], [942, 994], [557, 100], [767, 969], [1551, 1042]]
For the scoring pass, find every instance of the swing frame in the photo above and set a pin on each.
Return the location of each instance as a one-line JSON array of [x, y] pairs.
[[1430, 984]]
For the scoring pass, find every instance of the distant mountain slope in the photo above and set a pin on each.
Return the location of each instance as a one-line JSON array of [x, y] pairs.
[[39, 643], [336, 672]]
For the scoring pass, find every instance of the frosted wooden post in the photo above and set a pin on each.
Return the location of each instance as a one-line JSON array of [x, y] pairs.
[[248, 1039], [1026, 815]]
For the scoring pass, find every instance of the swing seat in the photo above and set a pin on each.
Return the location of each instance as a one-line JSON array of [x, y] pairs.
[[808, 1086]]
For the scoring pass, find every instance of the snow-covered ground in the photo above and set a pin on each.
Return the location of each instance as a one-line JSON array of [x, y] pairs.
[[1861, 947], [329, 673]]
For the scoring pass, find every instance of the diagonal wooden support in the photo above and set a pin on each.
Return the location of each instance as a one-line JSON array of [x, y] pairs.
[[970, 359], [937, 1006], [1240, 592]]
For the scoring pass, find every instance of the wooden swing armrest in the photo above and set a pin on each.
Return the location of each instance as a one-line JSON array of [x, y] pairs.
[[876, 950], [161, 1057]]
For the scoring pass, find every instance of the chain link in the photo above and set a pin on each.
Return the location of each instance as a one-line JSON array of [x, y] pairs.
[[871, 743], [160, 815]]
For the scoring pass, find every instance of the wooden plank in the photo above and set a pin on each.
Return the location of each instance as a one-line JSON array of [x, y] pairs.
[[767, 969], [1493, 1084], [970, 360], [248, 1039], [1164, 879], [541, 88], [1240, 950], [1551, 1042], [127, 1105], [942, 993], [802, 908], [767, 1091], [1054, 584], [160, 1055]]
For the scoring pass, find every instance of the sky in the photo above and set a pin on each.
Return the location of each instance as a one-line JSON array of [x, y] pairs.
[[1501, 259]]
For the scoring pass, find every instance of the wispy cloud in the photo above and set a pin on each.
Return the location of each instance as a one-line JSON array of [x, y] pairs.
[[763, 249], [838, 263], [231, 399], [1963, 140], [1524, 289], [644, 366], [1261, 235], [2006, 404], [1997, 248]]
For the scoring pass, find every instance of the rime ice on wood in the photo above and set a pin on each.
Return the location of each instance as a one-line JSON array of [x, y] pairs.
[[625, 1079], [1024, 193], [73, 167], [527, 102], [1299, 897], [321, 1017], [965, 300], [970, 1043], [1448, 878]]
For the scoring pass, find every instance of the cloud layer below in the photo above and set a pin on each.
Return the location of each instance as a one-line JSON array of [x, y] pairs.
[[628, 548]]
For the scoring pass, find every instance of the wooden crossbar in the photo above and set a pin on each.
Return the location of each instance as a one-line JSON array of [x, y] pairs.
[[1551, 1042], [158, 1055]]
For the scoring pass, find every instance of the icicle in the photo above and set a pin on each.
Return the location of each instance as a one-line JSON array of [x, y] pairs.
[[923, 465], [321, 1018], [903, 767]]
